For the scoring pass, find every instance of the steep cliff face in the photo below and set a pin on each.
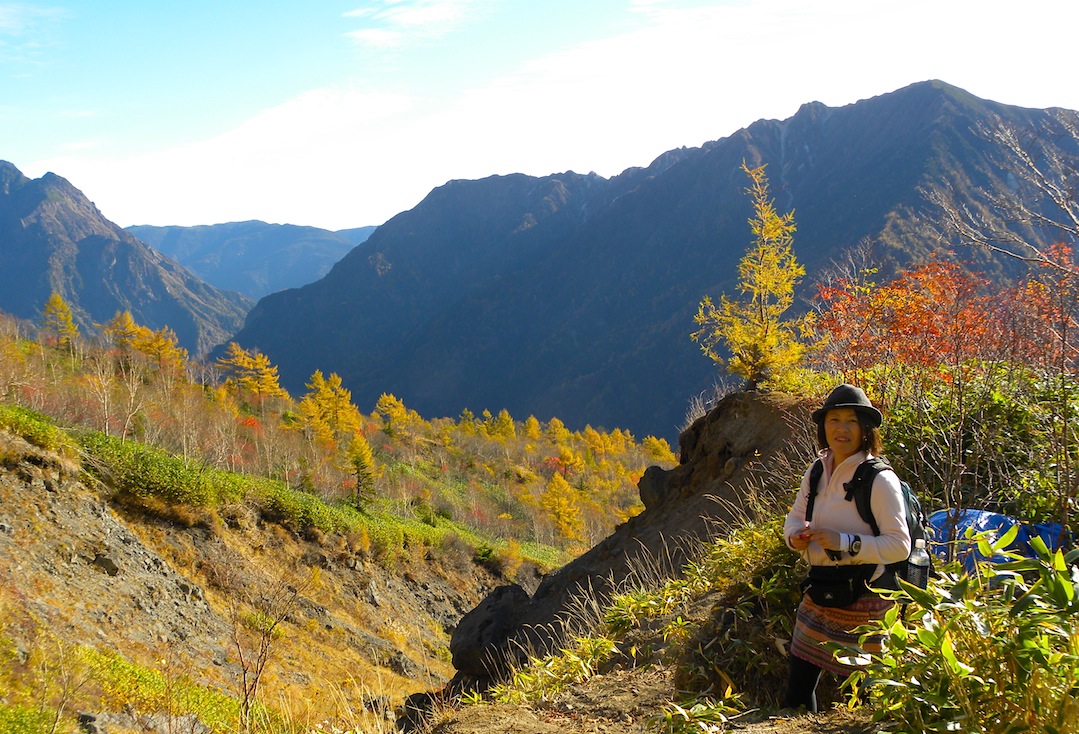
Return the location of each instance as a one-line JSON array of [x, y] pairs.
[[52, 238]]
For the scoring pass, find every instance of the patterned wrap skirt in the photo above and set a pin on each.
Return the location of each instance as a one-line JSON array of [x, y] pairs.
[[816, 625]]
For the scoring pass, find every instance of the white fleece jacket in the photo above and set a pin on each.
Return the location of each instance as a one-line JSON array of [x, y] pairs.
[[831, 511]]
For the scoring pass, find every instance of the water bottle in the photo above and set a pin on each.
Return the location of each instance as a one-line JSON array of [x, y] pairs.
[[918, 565]]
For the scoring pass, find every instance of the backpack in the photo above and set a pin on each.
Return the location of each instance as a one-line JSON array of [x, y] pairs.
[[859, 489]]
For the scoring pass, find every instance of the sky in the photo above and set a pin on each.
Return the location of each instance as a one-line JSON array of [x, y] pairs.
[[342, 114]]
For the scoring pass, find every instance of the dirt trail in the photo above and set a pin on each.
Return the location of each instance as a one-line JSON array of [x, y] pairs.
[[629, 702]]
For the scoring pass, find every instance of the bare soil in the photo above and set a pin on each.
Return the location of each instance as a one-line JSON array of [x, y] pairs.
[[630, 702]]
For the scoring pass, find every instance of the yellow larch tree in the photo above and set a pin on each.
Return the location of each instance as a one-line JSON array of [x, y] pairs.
[[253, 372], [397, 420], [532, 428], [163, 348], [763, 347], [123, 330], [364, 469], [557, 431], [562, 508], [57, 319], [501, 426], [327, 407]]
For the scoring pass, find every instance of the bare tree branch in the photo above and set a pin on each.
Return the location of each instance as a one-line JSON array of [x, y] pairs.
[[1042, 199]]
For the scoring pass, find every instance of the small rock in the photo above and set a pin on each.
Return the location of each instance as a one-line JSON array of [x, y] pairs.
[[89, 723], [106, 564]]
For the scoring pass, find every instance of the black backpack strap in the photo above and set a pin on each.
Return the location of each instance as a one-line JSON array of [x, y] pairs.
[[860, 489], [815, 473]]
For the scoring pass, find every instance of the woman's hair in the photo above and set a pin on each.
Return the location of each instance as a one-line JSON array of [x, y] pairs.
[[871, 440]]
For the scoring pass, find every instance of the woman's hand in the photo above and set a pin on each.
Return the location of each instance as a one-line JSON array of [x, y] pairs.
[[801, 540], [826, 539]]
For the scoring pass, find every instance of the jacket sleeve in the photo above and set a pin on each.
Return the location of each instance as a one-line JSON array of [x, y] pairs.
[[889, 510], [795, 521]]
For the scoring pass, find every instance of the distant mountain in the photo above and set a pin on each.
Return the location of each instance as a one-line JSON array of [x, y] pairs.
[[52, 238], [573, 295], [356, 235], [254, 258]]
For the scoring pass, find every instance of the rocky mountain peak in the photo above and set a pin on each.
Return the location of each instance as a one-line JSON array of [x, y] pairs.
[[54, 239], [11, 178]]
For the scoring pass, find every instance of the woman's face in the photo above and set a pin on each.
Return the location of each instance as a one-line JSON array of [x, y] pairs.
[[843, 431]]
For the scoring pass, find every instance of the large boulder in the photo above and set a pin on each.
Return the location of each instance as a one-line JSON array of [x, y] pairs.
[[482, 632]]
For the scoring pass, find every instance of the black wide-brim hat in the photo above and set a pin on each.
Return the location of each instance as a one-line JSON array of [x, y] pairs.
[[848, 396]]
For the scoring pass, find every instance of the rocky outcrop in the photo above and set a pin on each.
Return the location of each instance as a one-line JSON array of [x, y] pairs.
[[739, 444], [486, 628]]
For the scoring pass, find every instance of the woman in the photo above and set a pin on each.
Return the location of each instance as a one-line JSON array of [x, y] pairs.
[[839, 545]]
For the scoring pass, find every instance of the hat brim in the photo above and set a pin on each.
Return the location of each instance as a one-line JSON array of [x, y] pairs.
[[874, 415]]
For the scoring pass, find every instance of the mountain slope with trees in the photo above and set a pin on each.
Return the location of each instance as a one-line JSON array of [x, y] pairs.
[[54, 240], [574, 295], [170, 540], [254, 258]]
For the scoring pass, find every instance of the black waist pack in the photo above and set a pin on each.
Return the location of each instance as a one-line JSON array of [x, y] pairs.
[[838, 586]]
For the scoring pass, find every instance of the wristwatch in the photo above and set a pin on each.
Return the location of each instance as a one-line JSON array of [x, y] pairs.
[[855, 545]]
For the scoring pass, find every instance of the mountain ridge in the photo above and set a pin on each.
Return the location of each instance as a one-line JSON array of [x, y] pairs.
[[54, 239], [573, 295], [253, 257]]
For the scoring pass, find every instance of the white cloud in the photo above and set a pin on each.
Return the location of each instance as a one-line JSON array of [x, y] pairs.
[[425, 13], [341, 157], [29, 29], [325, 151], [378, 37], [16, 18], [393, 22]]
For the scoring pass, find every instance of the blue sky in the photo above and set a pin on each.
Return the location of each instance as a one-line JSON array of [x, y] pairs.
[[342, 114]]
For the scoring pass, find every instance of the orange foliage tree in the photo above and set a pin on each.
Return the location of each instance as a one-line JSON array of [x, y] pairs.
[[949, 354], [937, 314]]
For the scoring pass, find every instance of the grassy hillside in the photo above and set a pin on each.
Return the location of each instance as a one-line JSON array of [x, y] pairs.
[[189, 538]]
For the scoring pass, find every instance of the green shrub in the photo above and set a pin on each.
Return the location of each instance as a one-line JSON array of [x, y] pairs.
[[16, 719], [484, 553], [993, 444], [387, 542], [35, 428], [741, 646], [545, 557], [545, 677], [993, 652], [737, 651], [299, 509], [702, 715], [144, 471], [128, 686]]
